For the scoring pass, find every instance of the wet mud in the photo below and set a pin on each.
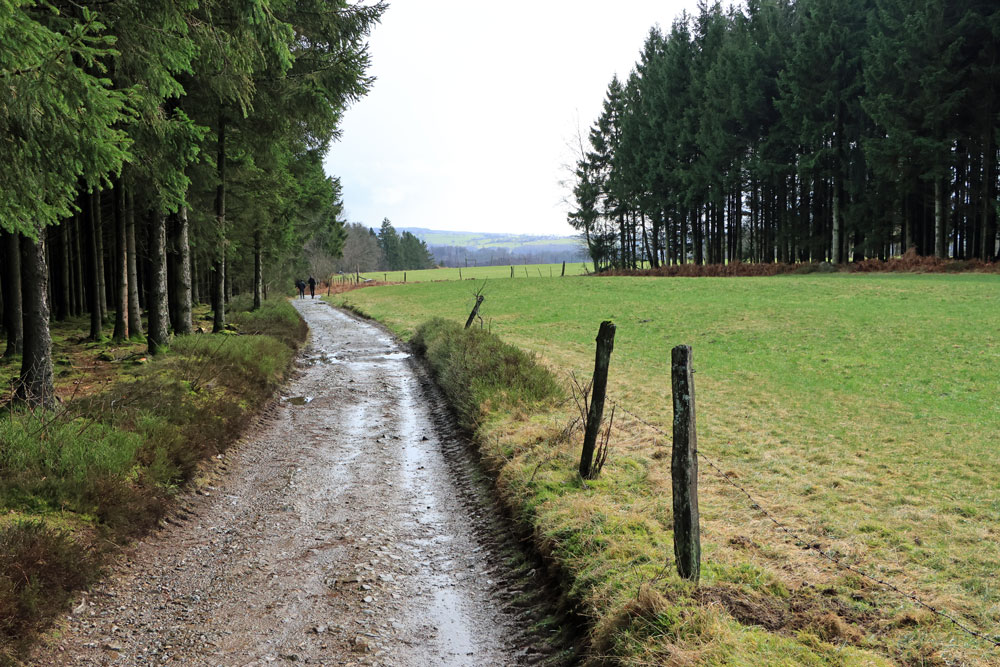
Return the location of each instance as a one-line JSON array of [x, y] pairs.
[[348, 528]]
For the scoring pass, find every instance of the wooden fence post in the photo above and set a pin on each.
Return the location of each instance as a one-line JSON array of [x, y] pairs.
[[460, 271], [526, 272], [404, 276], [511, 270], [684, 467], [605, 344], [475, 311], [563, 274]]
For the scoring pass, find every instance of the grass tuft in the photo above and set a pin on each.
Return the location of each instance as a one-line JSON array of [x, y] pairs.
[[479, 372], [40, 568]]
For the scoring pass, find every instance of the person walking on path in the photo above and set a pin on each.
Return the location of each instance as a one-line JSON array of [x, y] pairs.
[[301, 285], [312, 287]]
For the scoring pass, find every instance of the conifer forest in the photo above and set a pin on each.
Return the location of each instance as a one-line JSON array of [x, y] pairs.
[[799, 131], [158, 153]]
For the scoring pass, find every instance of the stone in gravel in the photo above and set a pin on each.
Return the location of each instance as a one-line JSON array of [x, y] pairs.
[[319, 629], [360, 645]]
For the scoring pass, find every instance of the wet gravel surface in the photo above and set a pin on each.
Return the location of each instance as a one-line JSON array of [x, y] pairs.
[[346, 528]]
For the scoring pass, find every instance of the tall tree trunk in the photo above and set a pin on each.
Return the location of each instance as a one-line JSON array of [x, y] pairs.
[[183, 296], [837, 241], [121, 331], [79, 248], [219, 263], [172, 277], [65, 293], [258, 270], [195, 279], [102, 286], [134, 312], [92, 282], [939, 249], [684, 238], [35, 384], [159, 317], [10, 252], [988, 198]]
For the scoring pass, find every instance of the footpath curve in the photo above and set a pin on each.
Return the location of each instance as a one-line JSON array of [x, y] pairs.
[[345, 528]]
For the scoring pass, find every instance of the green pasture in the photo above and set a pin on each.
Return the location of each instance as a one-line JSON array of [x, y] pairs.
[[862, 410], [480, 273]]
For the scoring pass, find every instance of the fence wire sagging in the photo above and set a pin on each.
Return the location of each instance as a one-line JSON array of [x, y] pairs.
[[811, 545]]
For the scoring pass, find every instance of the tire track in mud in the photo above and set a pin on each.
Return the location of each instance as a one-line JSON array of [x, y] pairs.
[[347, 528]]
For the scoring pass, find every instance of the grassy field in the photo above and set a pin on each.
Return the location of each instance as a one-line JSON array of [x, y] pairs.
[[481, 273], [861, 410]]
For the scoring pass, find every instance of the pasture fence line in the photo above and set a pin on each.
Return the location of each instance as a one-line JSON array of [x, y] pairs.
[[810, 545]]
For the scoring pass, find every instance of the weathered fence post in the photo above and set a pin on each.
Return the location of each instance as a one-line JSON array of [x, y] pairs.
[[404, 276], [385, 277], [511, 270], [460, 271], [563, 274], [526, 272], [605, 344], [475, 311], [684, 467]]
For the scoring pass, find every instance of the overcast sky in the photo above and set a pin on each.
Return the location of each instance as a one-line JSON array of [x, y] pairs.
[[468, 124]]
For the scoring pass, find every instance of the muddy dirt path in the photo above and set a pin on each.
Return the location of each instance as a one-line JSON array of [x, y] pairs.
[[346, 528]]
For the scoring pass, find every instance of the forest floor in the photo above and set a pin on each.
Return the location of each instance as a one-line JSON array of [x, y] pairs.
[[349, 526]]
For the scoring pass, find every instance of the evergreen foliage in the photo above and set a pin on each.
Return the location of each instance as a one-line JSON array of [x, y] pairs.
[[402, 252], [147, 113], [813, 130]]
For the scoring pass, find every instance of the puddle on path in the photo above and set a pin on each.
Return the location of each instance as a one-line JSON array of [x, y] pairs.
[[298, 400]]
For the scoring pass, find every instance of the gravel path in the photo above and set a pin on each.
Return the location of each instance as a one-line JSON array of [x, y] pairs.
[[346, 528]]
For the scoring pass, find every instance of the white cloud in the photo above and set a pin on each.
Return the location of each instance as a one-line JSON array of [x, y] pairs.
[[466, 127]]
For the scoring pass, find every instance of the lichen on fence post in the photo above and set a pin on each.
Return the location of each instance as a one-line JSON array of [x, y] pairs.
[[605, 344], [684, 467]]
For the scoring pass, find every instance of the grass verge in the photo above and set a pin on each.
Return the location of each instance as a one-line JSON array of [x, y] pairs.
[[105, 466]]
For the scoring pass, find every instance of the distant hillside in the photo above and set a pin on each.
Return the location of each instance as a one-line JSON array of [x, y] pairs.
[[478, 240], [454, 248]]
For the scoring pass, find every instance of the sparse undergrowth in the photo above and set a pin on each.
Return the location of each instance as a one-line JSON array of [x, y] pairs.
[[104, 467]]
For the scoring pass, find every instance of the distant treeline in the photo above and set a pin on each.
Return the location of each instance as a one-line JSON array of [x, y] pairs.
[[449, 255], [386, 250], [810, 130]]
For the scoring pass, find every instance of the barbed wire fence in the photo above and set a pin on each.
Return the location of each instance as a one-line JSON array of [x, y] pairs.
[[810, 545]]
